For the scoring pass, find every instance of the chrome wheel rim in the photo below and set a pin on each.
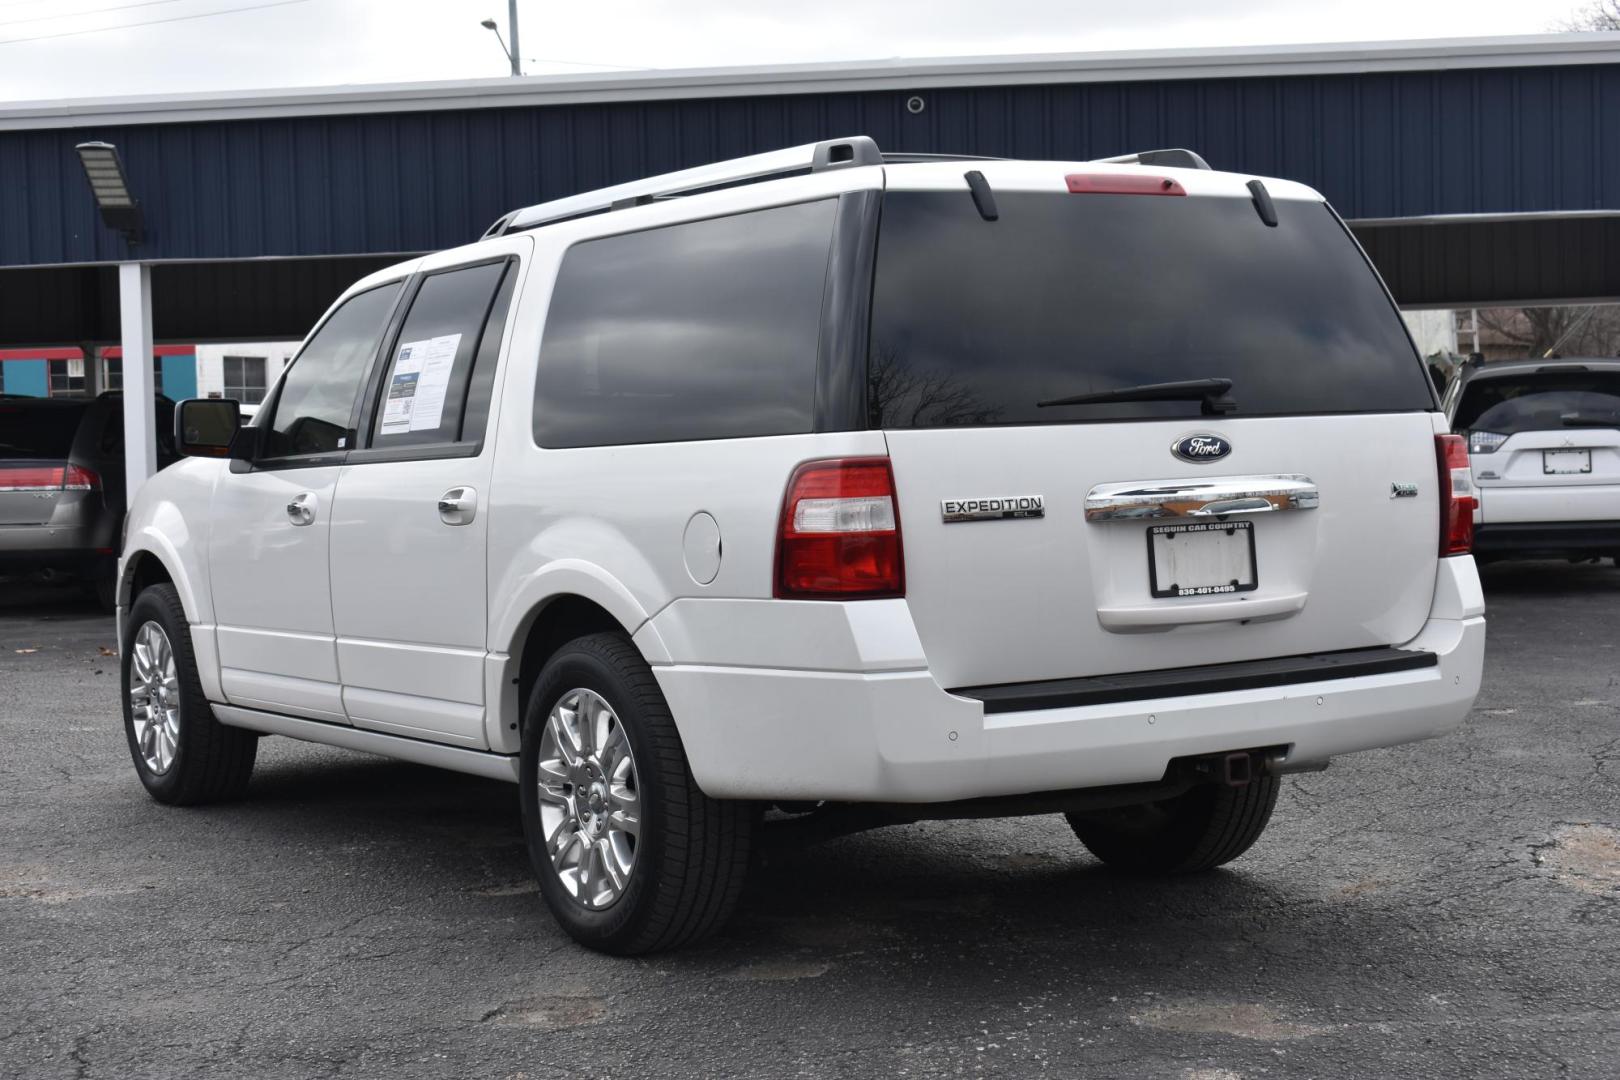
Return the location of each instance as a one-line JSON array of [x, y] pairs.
[[154, 697], [590, 805]]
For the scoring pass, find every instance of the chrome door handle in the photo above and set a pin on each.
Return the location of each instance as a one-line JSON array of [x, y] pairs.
[[1214, 496], [458, 506], [301, 511]]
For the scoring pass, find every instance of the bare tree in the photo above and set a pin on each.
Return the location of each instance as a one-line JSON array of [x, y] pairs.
[[1597, 15], [1588, 330], [899, 396]]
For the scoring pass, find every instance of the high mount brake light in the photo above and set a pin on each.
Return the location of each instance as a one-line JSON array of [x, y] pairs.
[[1122, 184], [839, 535], [1457, 501]]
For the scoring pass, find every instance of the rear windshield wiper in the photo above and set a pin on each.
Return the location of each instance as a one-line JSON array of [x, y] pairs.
[[1579, 420], [1212, 392]]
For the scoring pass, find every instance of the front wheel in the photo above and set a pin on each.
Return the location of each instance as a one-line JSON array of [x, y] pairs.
[[182, 754], [1200, 829], [631, 856]]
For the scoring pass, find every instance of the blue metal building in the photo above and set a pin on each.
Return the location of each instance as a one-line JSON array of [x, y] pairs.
[[1474, 171], [1514, 144]]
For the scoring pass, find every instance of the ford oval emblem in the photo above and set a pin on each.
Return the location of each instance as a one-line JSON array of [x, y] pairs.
[[1200, 448]]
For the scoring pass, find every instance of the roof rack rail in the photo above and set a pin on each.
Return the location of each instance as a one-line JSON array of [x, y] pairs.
[[902, 157], [811, 157], [1170, 159]]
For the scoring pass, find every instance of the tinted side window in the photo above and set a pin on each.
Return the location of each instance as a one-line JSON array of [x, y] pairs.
[[425, 386], [112, 431], [705, 330], [317, 397], [476, 414]]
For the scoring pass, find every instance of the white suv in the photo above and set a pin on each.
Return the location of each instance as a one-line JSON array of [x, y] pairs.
[[850, 488], [1544, 438]]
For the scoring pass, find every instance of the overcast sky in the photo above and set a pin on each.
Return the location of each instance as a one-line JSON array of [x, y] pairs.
[[97, 48]]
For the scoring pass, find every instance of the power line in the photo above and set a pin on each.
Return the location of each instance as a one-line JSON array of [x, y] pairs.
[[151, 22], [88, 11]]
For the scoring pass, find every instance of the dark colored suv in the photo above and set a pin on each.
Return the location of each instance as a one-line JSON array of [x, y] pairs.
[[62, 485]]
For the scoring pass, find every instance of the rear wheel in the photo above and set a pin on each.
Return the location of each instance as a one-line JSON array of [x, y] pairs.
[[182, 754], [631, 856], [101, 585], [1197, 830]]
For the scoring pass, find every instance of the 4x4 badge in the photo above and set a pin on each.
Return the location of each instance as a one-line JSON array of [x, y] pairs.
[[1200, 448]]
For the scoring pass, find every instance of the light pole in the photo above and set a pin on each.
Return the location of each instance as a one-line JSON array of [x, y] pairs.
[[512, 54]]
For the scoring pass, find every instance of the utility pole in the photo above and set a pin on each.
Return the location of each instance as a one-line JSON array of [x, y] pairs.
[[511, 22]]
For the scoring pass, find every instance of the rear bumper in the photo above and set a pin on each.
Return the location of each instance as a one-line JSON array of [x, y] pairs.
[[1556, 538], [61, 547], [896, 736]]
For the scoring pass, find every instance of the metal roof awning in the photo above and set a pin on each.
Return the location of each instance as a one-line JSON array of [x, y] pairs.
[[917, 73]]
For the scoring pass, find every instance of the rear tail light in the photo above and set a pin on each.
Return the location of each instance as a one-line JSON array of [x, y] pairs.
[[1122, 184], [47, 478], [1485, 442], [1457, 500], [75, 478], [839, 537]]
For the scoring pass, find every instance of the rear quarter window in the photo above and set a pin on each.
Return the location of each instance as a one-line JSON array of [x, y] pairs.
[[703, 330], [976, 321]]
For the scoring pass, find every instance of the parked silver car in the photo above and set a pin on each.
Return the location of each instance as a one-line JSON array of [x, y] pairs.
[[1544, 442], [62, 485]]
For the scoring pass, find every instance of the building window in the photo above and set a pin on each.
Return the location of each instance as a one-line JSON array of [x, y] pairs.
[[245, 379], [112, 374], [2, 376], [66, 378]]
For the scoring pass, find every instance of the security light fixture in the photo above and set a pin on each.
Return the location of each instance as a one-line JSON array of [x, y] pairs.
[[513, 57], [118, 207]]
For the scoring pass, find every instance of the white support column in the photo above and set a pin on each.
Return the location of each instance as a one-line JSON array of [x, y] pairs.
[[140, 416]]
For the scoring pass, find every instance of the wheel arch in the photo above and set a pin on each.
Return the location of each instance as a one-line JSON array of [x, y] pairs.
[[151, 559], [558, 605]]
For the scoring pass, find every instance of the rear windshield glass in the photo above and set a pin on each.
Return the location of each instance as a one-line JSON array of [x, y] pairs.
[[39, 431], [1546, 401], [976, 321]]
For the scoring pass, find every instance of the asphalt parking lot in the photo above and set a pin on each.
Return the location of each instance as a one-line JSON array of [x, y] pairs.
[[1446, 909]]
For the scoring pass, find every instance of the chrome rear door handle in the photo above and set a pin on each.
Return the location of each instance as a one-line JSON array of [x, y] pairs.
[[1234, 506], [458, 506], [1214, 497], [301, 511]]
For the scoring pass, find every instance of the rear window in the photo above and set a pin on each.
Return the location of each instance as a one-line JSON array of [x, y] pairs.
[[39, 431], [704, 330], [976, 321], [1540, 401]]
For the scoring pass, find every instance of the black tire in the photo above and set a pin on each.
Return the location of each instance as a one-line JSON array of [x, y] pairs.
[[691, 854], [211, 762], [1198, 830], [101, 586]]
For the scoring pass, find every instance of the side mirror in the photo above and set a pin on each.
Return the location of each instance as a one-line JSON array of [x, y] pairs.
[[206, 427]]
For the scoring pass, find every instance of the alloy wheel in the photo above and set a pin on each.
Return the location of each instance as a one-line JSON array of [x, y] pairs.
[[590, 806], [154, 697]]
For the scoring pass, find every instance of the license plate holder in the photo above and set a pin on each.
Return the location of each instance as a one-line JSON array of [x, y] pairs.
[[1566, 462], [1206, 558]]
